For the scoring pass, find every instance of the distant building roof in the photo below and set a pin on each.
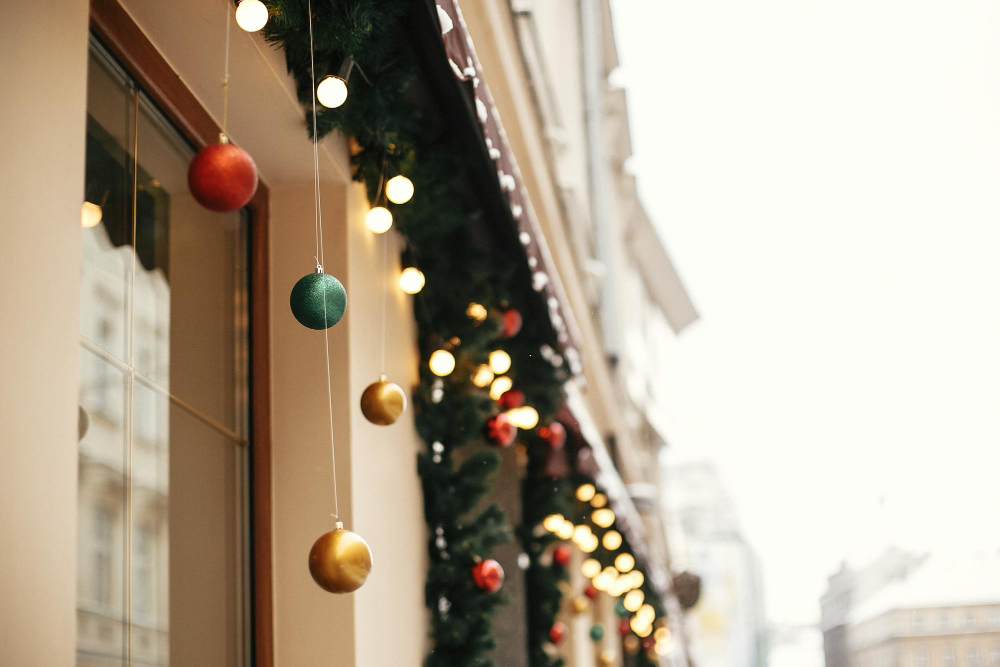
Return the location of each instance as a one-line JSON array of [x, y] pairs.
[[943, 580]]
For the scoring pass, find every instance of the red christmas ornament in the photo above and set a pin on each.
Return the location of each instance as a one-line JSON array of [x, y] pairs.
[[648, 643], [554, 434], [590, 592], [510, 399], [558, 633], [222, 177], [623, 627], [512, 322], [561, 555], [488, 575], [499, 431]]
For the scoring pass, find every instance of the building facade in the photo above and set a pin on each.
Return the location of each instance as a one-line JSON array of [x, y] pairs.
[[167, 462]]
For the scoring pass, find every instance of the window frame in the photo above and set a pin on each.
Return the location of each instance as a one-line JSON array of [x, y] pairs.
[[120, 35]]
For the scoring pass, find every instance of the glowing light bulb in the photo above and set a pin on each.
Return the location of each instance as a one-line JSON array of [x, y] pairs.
[[662, 647], [603, 517], [442, 363], [633, 600], [499, 361], [581, 534], [590, 568], [476, 311], [379, 219], [640, 627], [500, 386], [251, 15], [90, 215], [599, 500], [585, 492], [331, 92], [590, 546], [661, 634], [624, 562], [553, 522], [637, 578], [483, 376], [411, 280], [646, 613], [612, 540], [565, 531], [525, 417], [399, 189]]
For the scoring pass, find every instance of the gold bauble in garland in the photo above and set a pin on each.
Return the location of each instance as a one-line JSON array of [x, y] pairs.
[[581, 604], [631, 644], [383, 402], [608, 657], [340, 561]]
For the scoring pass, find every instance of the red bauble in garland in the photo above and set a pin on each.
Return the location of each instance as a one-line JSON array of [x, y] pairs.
[[510, 399], [222, 177], [554, 434], [488, 575], [623, 627], [558, 632], [512, 322], [499, 431], [590, 592], [561, 555]]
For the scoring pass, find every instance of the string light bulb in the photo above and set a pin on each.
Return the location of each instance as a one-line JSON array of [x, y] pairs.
[[590, 546], [411, 280], [499, 361], [565, 531], [524, 417], [399, 189], [637, 578], [624, 562], [585, 492], [590, 568], [599, 500], [90, 215], [553, 522], [379, 219], [500, 386], [442, 363], [603, 517], [581, 534], [640, 627], [662, 634], [633, 600], [251, 15], [483, 376], [612, 540], [646, 613], [476, 311], [331, 91]]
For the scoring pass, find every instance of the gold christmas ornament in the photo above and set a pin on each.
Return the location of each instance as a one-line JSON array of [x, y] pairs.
[[631, 643], [340, 561], [608, 657], [383, 402], [581, 604]]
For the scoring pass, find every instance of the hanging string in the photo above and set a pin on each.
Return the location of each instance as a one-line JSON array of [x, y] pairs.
[[318, 223], [385, 257], [225, 74]]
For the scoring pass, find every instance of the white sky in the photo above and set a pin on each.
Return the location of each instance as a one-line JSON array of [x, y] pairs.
[[827, 178]]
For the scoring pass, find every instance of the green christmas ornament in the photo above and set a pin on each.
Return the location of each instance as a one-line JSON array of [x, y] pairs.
[[620, 608], [307, 300], [597, 632]]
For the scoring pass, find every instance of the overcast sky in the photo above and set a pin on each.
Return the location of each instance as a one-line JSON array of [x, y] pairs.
[[826, 176]]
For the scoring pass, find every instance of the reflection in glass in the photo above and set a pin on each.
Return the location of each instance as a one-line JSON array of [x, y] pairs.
[[163, 397]]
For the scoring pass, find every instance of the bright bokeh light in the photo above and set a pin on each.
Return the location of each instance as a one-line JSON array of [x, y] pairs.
[[624, 562], [399, 189], [612, 540], [585, 492], [90, 215], [633, 600], [483, 376], [599, 500], [379, 219], [331, 92], [500, 386], [499, 361], [590, 568], [411, 280], [525, 417], [442, 363], [603, 517], [251, 15], [565, 531], [476, 311]]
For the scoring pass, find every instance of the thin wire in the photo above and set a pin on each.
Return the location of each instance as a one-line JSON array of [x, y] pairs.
[[225, 75], [385, 290], [319, 253]]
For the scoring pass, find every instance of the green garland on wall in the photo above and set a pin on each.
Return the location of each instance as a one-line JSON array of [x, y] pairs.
[[461, 267]]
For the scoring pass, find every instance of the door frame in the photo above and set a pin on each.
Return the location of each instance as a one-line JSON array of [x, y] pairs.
[[125, 40]]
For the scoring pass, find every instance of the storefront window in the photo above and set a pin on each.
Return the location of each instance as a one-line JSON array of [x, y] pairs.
[[163, 398]]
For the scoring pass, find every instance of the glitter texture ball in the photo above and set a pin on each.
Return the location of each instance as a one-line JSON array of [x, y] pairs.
[[222, 177], [306, 301]]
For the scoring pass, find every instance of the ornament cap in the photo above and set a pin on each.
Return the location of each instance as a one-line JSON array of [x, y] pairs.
[[339, 525], [223, 139], [383, 378], [319, 268]]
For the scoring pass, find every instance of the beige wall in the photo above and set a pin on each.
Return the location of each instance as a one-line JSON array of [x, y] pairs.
[[41, 186]]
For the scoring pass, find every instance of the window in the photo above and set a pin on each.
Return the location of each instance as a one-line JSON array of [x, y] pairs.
[[923, 658], [973, 655], [164, 370], [995, 653], [948, 656]]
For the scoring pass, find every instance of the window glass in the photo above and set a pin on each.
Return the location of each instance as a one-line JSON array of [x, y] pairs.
[[163, 494]]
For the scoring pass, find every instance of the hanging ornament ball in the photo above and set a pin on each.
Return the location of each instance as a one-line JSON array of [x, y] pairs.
[[499, 431], [581, 604], [222, 177], [558, 633], [340, 561], [590, 592], [624, 628], [620, 608], [488, 575], [318, 300], [562, 555], [512, 322], [383, 402], [554, 434], [608, 657], [631, 643], [597, 632], [510, 399]]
